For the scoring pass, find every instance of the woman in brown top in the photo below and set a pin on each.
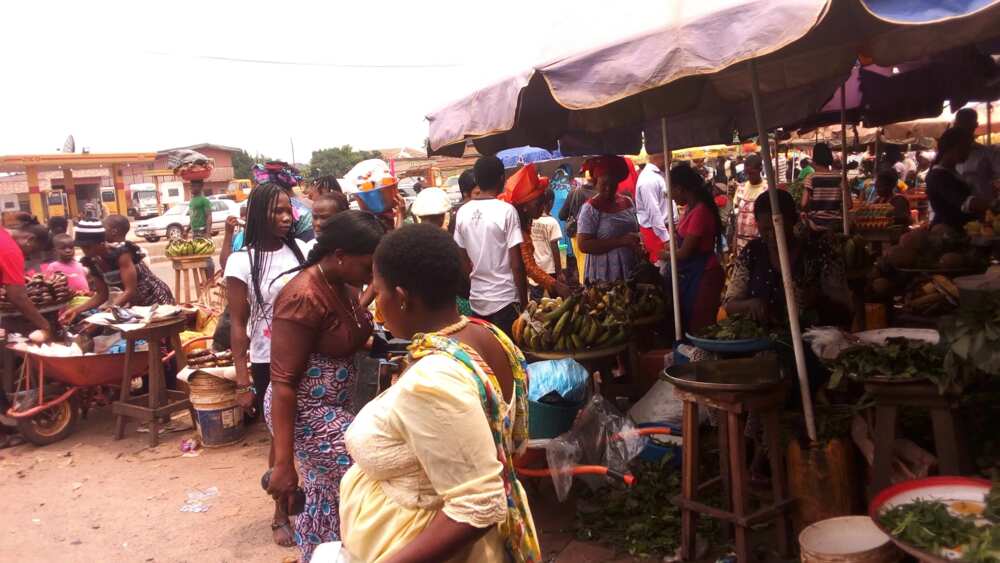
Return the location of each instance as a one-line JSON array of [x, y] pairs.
[[317, 327]]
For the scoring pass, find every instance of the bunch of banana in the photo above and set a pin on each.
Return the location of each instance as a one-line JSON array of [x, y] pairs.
[[857, 258], [932, 296], [195, 247], [648, 302], [568, 325]]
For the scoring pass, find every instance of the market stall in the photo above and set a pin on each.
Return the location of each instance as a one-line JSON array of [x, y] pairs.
[[655, 98]]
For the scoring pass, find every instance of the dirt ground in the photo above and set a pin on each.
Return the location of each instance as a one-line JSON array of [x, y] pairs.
[[92, 499]]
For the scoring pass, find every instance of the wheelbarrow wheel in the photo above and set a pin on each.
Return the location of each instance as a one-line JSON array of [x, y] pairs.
[[52, 424]]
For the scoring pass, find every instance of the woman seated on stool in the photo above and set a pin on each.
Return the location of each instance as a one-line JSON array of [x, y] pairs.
[[818, 275]]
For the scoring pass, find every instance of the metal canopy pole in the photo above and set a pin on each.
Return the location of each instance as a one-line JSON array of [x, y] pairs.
[[786, 267], [674, 283], [846, 190], [989, 123]]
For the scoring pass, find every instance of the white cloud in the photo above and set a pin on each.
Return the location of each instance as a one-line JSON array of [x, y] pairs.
[[130, 76]]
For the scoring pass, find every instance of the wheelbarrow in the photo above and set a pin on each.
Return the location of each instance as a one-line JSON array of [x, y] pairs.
[[530, 463], [47, 402]]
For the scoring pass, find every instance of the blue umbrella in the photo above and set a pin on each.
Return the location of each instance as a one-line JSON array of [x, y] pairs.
[[512, 158]]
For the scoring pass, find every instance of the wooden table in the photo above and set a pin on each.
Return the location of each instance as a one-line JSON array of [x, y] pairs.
[[186, 268], [889, 396], [159, 402]]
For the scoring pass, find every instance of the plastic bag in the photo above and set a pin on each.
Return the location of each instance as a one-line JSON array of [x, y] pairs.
[[600, 436], [658, 405], [566, 377]]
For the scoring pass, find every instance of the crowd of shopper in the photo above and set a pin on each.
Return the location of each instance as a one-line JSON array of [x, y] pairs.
[[328, 281]]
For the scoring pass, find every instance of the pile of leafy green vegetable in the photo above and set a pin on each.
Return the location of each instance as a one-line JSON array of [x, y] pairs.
[[898, 358], [972, 339], [736, 327], [930, 526], [639, 520]]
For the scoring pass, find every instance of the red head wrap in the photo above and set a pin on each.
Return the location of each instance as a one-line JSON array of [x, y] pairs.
[[522, 187]]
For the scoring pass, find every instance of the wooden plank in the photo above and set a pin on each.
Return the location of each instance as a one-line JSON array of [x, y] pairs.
[[779, 485], [885, 436], [738, 472], [724, 470], [126, 389], [689, 480]]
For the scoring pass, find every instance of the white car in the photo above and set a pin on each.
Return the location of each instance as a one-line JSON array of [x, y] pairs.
[[451, 187], [174, 223]]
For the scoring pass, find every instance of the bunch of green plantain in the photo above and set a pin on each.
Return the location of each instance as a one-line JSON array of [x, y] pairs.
[[857, 257], [195, 247], [593, 319]]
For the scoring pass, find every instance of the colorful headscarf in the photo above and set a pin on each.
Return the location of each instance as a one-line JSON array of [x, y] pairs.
[[607, 165], [277, 172], [523, 186], [509, 436]]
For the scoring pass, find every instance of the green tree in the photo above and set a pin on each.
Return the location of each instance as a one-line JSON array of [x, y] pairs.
[[242, 163], [337, 161]]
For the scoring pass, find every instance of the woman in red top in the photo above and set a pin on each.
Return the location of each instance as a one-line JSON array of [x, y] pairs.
[[698, 234]]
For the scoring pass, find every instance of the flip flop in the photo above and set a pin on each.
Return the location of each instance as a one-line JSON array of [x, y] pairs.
[[275, 526]]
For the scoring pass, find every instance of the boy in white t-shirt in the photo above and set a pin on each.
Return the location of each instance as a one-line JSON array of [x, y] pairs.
[[489, 234], [545, 236]]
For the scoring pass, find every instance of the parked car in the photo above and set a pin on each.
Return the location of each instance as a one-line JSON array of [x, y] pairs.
[[451, 187], [174, 223]]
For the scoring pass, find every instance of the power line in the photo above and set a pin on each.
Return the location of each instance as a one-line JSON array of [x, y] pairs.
[[301, 63]]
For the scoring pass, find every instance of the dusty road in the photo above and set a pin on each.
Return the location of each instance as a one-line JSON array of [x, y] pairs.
[[92, 499]]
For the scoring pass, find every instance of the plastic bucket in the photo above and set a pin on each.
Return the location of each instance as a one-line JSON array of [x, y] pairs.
[[847, 539], [377, 200], [654, 452], [549, 421], [220, 419]]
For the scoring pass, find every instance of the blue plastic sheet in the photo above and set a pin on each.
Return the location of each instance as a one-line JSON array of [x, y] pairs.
[[566, 377]]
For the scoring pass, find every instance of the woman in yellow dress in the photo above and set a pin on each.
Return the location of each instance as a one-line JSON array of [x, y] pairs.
[[433, 478]]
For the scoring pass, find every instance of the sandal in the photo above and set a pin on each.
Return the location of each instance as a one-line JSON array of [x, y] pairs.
[[288, 539]]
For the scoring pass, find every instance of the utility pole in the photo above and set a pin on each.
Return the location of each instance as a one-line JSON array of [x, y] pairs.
[[292, 143]]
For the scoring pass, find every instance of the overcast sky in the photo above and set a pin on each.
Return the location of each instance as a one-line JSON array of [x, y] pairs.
[[148, 75]]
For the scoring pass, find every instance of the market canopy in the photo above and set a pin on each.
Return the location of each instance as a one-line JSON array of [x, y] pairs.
[[878, 95], [604, 99]]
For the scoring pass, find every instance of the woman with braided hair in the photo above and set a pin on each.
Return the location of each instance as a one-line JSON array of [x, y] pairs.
[[321, 325], [254, 275]]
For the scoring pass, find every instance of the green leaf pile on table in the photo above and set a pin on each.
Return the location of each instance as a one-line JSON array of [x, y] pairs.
[[968, 529]]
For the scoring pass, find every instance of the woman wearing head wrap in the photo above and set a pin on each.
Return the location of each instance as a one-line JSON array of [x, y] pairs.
[[287, 177], [119, 266], [607, 229], [524, 191]]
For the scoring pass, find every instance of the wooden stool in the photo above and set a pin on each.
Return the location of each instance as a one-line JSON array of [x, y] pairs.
[[159, 401], [764, 400], [186, 267], [951, 454]]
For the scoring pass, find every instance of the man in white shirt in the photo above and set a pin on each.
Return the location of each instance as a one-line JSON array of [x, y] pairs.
[[982, 169], [746, 195], [651, 207], [489, 234]]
